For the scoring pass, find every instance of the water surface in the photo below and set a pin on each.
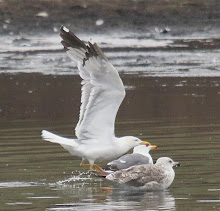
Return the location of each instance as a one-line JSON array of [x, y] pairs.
[[173, 98], [39, 175]]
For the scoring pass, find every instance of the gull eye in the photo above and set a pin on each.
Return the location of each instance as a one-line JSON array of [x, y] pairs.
[[170, 161]]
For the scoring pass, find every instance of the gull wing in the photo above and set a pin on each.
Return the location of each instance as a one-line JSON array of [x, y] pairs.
[[141, 174], [102, 88], [127, 161]]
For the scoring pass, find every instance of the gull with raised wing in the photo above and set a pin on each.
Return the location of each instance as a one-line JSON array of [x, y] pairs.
[[102, 94]]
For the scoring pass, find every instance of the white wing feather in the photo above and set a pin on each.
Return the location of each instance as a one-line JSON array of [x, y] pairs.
[[102, 88]]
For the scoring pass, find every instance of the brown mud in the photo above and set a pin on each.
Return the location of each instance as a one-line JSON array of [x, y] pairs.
[[30, 16]]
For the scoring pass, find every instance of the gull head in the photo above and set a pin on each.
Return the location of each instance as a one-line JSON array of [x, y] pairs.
[[144, 148], [131, 141], [167, 162]]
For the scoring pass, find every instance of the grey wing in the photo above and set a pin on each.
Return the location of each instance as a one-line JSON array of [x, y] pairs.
[[102, 90], [127, 161], [140, 174]]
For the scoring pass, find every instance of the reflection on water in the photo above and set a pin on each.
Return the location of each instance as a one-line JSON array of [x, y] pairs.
[[149, 201], [116, 199]]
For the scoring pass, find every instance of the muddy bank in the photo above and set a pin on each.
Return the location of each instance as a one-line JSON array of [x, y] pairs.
[[31, 16]]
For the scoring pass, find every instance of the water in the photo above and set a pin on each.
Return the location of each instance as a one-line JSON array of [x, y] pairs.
[[173, 98], [38, 175]]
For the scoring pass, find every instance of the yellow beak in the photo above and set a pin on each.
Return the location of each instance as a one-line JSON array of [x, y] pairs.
[[145, 143], [154, 147]]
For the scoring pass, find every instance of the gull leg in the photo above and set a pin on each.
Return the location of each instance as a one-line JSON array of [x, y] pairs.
[[98, 168], [83, 164], [91, 167]]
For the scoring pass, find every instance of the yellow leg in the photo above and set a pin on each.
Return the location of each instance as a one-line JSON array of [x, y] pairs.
[[91, 167], [83, 164], [98, 168]]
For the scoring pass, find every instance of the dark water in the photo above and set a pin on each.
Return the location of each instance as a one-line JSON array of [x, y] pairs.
[[173, 98]]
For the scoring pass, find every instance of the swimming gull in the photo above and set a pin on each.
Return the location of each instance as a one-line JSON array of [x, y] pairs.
[[150, 177], [102, 93], [139, 156]]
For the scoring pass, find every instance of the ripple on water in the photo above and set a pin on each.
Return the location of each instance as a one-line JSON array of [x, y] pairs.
[[19, 203], [19, 184], [43, 197], [211, 200], [218, 189]]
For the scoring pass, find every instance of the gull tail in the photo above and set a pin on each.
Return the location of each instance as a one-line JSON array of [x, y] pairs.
[[48, 136]]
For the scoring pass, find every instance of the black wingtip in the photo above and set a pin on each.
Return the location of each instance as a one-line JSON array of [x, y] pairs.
[[70, 39], [64, 31]]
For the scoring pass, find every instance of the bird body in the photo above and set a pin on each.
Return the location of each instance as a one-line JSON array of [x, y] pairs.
[[139, 156], [151, 177], [89, 149]]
